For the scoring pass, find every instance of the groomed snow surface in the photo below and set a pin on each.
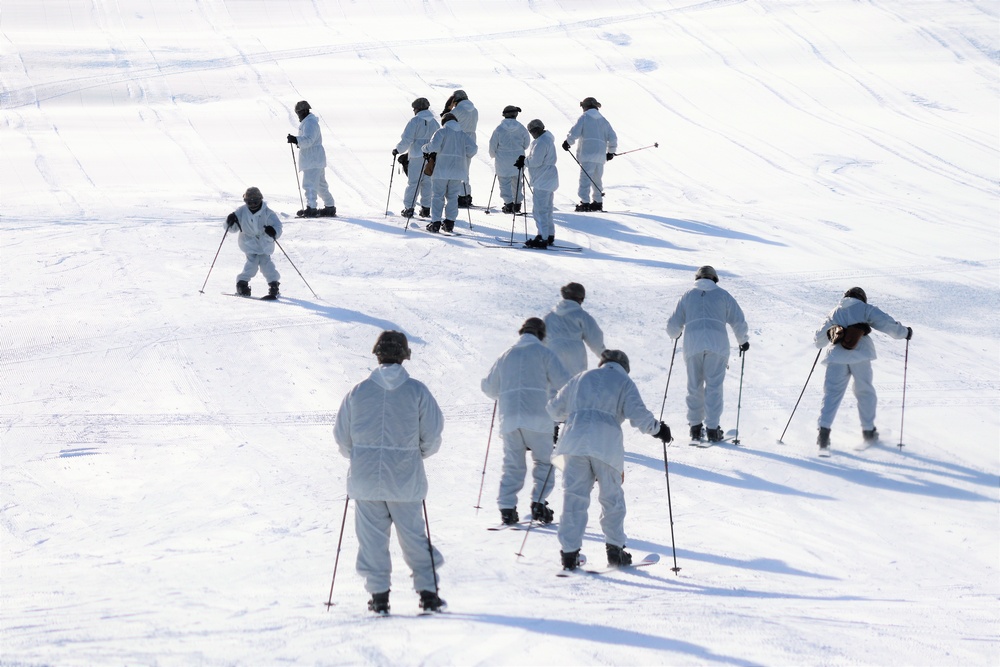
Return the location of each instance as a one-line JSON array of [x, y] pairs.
[[171, 492]]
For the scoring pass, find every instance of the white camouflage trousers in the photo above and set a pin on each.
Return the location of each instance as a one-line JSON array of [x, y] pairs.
[[516, 445], [596, 171], [706, 373], [372, 520], [835, 386], [415, 174], [509, 189], [445, 199], [541, 211], [313, 184], [265, 264], [579, 475]]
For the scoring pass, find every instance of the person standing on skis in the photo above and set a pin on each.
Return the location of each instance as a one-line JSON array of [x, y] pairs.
[[849, 355], [509, 141], [702, 315], [258, 227], [522, 380], [417, 132], [387, 425], [591, 448], [568, 326], [465, 112], [312, 164], [598, 143], [450, 149], [541, 162]]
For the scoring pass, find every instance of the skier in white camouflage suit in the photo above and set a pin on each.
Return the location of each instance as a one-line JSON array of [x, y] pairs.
[[258, 227], [417, 132], [568, 326], [522, 380], [541, 162], [509, 141], [312, 164], [702, 314], [387, 425], [598, 143], [465, 112], [591, 448], [850, 355], [451, 150]]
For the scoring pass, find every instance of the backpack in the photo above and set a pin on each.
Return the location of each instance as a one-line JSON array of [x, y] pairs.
[[848, 337]]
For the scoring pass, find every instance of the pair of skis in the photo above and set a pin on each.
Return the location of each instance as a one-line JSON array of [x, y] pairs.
[[732, 437], [582, 568]]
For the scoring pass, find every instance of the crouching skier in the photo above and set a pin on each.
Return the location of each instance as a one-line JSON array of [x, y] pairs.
[[386, 426], [594, 404], [258, 227]]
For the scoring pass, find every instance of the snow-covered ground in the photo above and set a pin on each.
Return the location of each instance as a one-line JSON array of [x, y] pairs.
[[171, 493]]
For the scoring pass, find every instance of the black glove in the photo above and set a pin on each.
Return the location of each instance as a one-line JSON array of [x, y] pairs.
[[664, 433], [610, 156], [395, 152], [403, 159], [909, 333], [292, 139], [231, 221], [555, 434], [566, 145], [269, 230], [744, 347], [520, 162]]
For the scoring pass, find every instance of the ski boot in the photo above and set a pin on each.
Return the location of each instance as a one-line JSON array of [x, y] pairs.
[[434, 227], [327, 212], [869, 436], [465, 201], [570, 559], [550, 240], [242, 288], [714, 434], [508, 516], [379, 603], [695, 433], [517, 207], [425, 211], [823, 439], [597, 206], [272, 291], [617, 556], [308, 212], [507, 208], [582, 207], [449, 226], [431, 601], [540, 512], [537, 242], [407, 213]]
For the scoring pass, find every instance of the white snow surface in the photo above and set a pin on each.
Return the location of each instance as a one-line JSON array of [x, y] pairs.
[[171, 492]]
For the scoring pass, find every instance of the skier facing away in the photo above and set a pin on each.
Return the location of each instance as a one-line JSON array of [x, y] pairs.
[[509, 141], [568, 326], [598, 143], [702, 315], [465, 112], [541, 161], [522, 381], [258, 227], [417, 132], [591, 448], [387, 425], [849, 355], [312, 164], [451, 149]]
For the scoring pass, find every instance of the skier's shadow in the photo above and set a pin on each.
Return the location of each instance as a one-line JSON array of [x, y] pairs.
[[347, 315]]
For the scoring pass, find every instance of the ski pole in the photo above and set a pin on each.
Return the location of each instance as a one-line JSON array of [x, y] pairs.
[[430, 547], [296, 268], [655, 145], [739, 400], [468, 210], [392, 174], [343, 522], [416, 193], [517, 194], [585, 172], [531, 524], [202, 290], [800, 396], [670, 509], [490, 200], [669, 372], [902, 412], [298, 185], [488, 440]]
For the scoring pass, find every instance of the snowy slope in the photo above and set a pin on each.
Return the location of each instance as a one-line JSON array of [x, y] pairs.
[[170, 492]]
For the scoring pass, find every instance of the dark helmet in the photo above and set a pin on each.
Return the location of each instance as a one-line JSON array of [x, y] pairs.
[[448, 116], [590, 103], [535, 125], [420, 104], [511, 111], [302, 107], [706, 272], [857, 293], [391, 347], [616, 356], [573, 292], [534, 326], [460, 95], [252, 197]]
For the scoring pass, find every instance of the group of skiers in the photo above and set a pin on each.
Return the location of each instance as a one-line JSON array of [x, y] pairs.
[[389, 423]]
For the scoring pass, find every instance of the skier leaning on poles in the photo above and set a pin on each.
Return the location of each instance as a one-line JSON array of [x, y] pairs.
[[598, 143], [417, 132], [387, 425]]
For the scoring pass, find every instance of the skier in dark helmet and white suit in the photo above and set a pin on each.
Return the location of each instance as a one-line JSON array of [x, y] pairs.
[[312, 164], [591, 448], [387, 425], [849, 355], [258, 227], [702, 314], [417, 132], [522, 381], [568, 326], [509, 141]]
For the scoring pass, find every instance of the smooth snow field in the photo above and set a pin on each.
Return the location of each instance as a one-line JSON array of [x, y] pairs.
[[171, 493]]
